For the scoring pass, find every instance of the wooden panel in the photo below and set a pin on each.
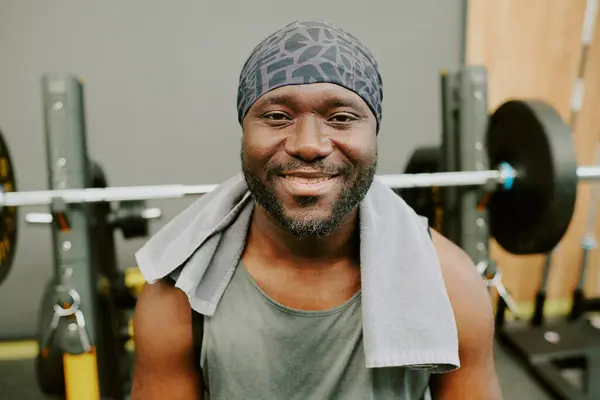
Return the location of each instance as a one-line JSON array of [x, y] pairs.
[[531, 49], [586, 135]]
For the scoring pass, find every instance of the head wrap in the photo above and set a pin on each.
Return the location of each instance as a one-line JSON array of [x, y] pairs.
[[310, 51]]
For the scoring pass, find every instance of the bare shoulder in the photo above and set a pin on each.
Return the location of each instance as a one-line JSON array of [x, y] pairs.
[[164, 348], [161, 305], [466, 289]]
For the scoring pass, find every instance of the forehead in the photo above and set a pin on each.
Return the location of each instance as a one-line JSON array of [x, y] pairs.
[[312, 94]]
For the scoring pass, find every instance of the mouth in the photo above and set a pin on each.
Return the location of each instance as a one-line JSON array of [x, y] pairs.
[[308, 184], [308, 180]]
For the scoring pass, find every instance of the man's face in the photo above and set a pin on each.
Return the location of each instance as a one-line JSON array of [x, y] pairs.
[[309, 154]]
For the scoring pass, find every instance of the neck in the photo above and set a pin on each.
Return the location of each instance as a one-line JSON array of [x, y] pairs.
[[268, 238]]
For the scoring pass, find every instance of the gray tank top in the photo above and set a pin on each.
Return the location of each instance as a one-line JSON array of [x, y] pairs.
[[255, 348]]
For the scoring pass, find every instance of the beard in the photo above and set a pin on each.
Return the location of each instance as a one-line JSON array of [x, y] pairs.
[[355, 185]]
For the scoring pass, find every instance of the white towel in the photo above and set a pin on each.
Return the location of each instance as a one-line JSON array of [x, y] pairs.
[[407, 316]]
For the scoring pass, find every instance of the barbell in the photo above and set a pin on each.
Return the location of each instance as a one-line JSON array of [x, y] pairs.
[[531, 190], [505, 176]]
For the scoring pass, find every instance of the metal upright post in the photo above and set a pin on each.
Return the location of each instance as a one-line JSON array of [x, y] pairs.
[[76, 294], [473, 233], [450, 195], [471, 156]]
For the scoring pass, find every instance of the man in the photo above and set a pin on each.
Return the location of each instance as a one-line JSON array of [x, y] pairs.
[[289, 322]]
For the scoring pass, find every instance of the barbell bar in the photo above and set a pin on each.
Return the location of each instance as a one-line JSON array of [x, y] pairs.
[[154, 192], [504, 176]]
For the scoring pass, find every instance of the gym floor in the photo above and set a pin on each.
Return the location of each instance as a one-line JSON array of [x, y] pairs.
[[17, 380]]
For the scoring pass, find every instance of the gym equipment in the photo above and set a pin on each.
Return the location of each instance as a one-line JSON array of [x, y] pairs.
[[532, 139], [49, 363], [459, 212], [8, 215], [428, 203], [62, 333], [82, 343], [581, 304], [465, 118], [132, 218], [547, 348]]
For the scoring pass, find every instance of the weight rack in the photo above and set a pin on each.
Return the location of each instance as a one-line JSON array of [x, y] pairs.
[[85, 262], [544, 348]]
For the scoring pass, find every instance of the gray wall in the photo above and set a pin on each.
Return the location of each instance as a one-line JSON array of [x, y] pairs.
[[161, 104]]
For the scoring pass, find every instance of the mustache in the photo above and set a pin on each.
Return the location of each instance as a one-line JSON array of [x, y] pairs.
[[319, 166]]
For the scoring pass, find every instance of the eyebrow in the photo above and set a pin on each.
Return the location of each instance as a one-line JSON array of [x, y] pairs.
[[336, 102], [277, 99]]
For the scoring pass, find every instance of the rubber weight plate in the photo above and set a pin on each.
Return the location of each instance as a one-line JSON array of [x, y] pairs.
[[129, 218], [534, 215], [110, 350], [426, 202], [8, 215]]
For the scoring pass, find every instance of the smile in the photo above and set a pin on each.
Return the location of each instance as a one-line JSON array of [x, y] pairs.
[[308, 184], [308, 181]]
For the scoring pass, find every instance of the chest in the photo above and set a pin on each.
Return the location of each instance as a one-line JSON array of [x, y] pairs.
[[311, 289]]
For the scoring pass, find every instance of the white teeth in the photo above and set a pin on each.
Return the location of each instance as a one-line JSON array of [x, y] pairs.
[[307, 180]]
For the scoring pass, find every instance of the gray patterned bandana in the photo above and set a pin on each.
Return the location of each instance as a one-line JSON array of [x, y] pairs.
[[310, 51]]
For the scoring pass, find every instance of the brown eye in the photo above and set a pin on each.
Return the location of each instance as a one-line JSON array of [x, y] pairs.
[[276, 116], [342, 117]]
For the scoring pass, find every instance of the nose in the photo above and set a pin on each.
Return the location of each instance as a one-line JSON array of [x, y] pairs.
[[308, 140]]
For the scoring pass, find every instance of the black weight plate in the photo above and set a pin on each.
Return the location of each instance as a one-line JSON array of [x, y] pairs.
[[112, 357], [8, 215], [130, 220], [534, 215], [425, 201], [424, 160], [97, 176]]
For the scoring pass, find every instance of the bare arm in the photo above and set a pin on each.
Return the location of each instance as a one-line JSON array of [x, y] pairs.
[[476, 378], [165, 367]]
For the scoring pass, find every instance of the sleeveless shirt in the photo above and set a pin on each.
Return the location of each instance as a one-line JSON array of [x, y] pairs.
[[255, 348]]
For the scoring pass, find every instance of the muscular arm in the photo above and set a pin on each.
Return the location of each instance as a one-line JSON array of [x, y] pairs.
[[476, 378], [165, 367]]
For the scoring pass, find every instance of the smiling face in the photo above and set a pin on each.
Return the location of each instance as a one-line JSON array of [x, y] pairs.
[[309, 154]]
